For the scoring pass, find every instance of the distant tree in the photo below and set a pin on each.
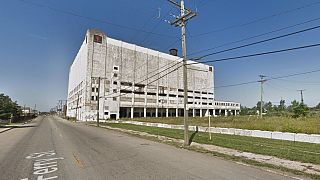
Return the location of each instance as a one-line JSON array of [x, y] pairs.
[[282, 105], [268, 107], [318, 106], [247, 111], [8, 107], [294, 104], [301, 110]]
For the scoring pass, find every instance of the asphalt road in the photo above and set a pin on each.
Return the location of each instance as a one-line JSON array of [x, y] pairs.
[[52, 148]]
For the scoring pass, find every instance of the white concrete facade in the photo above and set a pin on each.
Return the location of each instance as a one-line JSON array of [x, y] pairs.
[[137, 82]]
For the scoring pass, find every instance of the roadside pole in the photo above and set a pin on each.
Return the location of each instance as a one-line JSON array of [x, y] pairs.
[[209, 127], [185, 15], [98, 101]]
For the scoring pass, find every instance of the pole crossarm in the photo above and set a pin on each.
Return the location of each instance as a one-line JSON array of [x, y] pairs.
[[189, 14]]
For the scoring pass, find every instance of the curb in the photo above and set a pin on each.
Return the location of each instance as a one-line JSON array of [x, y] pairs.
[[6, 129]]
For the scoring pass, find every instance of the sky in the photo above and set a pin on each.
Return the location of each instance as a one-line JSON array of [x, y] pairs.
[[40, 38]]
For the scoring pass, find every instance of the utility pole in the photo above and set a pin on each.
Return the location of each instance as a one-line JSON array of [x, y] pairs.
[[301, 94], [98, 100], [262, 80], [185, 15]]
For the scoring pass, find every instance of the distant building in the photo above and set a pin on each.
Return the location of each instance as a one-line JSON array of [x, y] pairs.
[[135, 82]]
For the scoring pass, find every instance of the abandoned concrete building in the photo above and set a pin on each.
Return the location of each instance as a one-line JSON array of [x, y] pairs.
[[132, 81]]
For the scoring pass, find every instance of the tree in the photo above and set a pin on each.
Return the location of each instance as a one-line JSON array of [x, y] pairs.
[[282, 105], [300, 110], [8, 108], [318, 106], [268, 106]]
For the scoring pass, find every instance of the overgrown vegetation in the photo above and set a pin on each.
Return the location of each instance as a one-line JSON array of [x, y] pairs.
[[295, 109], [296, 151], [310, 125]]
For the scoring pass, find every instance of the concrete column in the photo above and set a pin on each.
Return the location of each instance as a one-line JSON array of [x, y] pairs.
[[193, 112], [157, 110], [200, 112], [118, 116], [167, 112], [131, 113], [145, 112], [225, 112], [214, 113], [219, 112], [235, 112], [177, 112]]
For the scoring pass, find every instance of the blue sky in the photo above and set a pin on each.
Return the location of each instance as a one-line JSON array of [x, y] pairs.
[[38, 44]]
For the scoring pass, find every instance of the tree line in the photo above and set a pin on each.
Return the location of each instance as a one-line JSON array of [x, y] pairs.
[[295, 109]]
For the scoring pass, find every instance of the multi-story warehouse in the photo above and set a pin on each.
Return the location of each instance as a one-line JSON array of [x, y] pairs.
[[132, 81]]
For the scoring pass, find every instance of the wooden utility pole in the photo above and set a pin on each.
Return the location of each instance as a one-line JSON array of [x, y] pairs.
[[262, 80], [301, 94], [98, 102], [185, 15]]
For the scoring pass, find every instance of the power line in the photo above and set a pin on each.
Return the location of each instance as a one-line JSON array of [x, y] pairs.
[[258, 42], [269, 79], [258, 20], [270, 39], [93, 19], [240, 57], [255, 36], [258, 54]]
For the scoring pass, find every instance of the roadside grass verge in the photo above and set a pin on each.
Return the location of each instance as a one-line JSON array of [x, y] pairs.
[[309, 125], [295, 151]]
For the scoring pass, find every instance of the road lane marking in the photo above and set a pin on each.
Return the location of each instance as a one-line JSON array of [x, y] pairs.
[[45, 163]]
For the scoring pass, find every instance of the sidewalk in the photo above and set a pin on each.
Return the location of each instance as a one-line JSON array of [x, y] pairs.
[[294, 165]]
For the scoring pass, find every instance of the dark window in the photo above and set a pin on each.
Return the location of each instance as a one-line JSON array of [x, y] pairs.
[[162, 94], [140, 85], [115, 90], [210, 69], [97, 39], [93, 89], [180, 90], [115, 82], [126, 83], [115, 68], [114, 99], [190, 102], [180, 96], [197, 92], [172, 95], [197, 97], [115, 75], [138, 92], [125, 91], [92, 98], [106, 113], [149, 93]]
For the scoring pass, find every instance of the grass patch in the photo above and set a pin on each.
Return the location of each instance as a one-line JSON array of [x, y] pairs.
[[296, 151], [310, 125]]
